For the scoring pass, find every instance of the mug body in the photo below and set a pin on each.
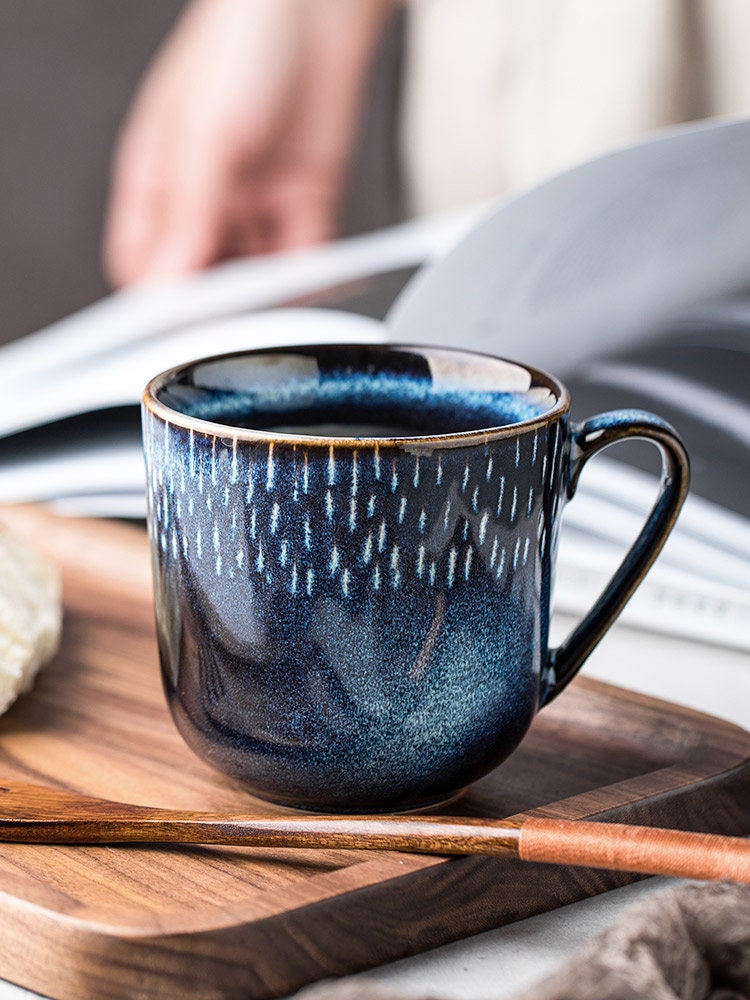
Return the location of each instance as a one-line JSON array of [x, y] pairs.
[[353, 552]]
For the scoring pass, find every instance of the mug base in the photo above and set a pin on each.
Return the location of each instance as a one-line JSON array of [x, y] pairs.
[[432, 806]]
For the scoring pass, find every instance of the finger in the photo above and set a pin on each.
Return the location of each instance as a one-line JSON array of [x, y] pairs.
[[251, 234], [195, 225], [298, 226], [300, 205], [168, 127], [136, 206], [278, 226]]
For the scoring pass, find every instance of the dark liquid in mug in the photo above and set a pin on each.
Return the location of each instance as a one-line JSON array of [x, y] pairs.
[[402, 413], [380, 394], [346, 430]]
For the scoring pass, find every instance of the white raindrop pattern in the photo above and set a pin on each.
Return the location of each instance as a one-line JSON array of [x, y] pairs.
[[353, 521]]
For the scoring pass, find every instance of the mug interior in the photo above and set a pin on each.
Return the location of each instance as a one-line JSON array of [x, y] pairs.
[[356, 391]]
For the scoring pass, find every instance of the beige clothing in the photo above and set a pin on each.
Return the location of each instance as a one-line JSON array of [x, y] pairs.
[[501, 93]]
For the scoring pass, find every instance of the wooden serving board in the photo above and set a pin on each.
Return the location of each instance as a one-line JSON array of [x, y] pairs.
[[208, 922]]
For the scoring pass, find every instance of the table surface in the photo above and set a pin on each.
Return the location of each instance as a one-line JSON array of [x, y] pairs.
[[499, 962]]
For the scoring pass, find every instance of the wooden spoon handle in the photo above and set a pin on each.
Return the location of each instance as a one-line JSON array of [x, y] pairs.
[[635, 849], [35, 814]]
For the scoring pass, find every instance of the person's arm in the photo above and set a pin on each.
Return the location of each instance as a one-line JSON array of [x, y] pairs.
[[240, 134]]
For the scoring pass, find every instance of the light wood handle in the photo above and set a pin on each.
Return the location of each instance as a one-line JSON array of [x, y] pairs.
[[635, 849]]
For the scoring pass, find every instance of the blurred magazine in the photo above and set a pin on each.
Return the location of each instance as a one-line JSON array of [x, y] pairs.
[[628, 276]]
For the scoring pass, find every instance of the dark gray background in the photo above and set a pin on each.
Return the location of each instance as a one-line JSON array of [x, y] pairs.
[[68, 69]]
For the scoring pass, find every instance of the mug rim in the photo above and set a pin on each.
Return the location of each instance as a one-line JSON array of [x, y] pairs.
[[170, 415]]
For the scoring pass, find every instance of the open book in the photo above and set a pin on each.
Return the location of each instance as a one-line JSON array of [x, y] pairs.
[[628, 276]]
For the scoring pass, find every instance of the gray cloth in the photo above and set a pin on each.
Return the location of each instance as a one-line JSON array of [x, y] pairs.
[[691, 943], [688, 943]]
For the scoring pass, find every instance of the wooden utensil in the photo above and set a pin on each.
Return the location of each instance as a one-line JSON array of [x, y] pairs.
[[41, 815]]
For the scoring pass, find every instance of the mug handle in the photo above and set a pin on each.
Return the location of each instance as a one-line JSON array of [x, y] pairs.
[[587, 439]]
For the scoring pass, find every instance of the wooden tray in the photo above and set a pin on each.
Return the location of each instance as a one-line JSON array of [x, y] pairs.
[[218, 922]]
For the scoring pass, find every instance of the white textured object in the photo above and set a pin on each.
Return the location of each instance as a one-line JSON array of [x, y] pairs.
[[30, 616]]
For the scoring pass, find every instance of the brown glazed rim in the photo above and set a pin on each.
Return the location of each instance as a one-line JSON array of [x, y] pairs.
[[218, 430]]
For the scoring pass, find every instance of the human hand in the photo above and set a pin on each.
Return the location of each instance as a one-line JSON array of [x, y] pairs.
[[240, 134]]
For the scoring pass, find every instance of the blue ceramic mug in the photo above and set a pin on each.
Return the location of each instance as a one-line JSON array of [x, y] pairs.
[[353, 551]]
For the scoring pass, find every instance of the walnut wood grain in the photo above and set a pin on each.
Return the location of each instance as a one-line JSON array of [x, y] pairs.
[[224, 922], [35, 814]]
